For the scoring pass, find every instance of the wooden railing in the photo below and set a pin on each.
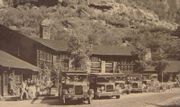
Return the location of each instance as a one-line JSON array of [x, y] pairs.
[[95, 66]]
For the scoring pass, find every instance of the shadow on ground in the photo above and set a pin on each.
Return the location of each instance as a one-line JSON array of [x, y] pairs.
[[54, 100], [158, 105], [104, 98], [11, 99]]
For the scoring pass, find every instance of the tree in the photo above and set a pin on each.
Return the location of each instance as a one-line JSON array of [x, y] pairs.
[[160, 67], [80, 50]]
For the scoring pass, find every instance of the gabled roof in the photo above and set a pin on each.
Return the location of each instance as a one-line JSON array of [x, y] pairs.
[[57, 45], [173, 67], [60, 45], [150, 69], [112, 50], [7, 60]]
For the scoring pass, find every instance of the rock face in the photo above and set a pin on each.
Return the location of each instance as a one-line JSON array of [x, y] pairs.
[[120, 12], [1, 3], [174, 4], [101, 2]]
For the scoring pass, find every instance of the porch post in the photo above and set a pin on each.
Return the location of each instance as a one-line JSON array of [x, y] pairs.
[[1, 83], [103, 68], [114, 67]]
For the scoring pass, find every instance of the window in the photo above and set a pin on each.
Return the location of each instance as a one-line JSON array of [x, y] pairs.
[[95, 59], [63, 60], [44, 59], [109, 67]]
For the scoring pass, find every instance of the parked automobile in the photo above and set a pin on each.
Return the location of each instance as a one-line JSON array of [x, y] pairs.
[[104, 85], [124, 87], [75, 86], [136, 86], [135, 81], [147, 85], [120, 81]]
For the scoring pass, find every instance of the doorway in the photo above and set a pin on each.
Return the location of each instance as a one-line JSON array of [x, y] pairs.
[[1, 85]]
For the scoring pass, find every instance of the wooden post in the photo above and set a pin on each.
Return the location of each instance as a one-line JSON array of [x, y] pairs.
[[103, 67], [114, 67], [1, 86], [162, 77]]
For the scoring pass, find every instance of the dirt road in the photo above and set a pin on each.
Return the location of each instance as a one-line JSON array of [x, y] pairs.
[[132, 100]]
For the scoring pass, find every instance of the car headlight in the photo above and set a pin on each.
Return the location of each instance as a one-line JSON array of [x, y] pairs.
[[102, 88], [98, 90], [85, 90], [70, 90]]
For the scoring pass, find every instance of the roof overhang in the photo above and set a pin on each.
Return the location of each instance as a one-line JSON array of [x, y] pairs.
[[12, 62]]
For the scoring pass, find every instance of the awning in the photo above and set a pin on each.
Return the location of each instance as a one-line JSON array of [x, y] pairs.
[[149, 69], [7, 60]]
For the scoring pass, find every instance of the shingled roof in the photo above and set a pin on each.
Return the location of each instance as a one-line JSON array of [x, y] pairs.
[[112, 50], [57, 45], [7, 60], [60, 45], [173, 67], [150, 69]]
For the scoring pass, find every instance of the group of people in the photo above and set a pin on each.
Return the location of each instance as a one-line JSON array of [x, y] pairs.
[[28, 89], [31, 89]]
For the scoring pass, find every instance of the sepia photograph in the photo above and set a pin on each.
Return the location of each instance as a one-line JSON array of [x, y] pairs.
[[89, 53]]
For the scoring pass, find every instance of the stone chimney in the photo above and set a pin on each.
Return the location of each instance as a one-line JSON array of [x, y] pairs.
[[45, 29]]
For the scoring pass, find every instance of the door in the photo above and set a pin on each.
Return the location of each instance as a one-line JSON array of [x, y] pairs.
[[5, 84]]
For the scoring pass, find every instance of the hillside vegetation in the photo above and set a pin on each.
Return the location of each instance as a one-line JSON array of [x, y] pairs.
[[144, 23]]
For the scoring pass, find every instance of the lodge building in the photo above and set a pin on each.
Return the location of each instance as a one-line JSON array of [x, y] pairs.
[[45, 53]]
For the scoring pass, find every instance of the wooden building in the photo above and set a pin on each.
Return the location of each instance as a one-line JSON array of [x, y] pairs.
[[12, 72], [44, 52], [112, 59], [173, 70], [149, 72]]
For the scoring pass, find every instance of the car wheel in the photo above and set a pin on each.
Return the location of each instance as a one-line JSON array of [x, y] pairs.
[[118, 96], [64, 100], [96, 97], [89, 100]]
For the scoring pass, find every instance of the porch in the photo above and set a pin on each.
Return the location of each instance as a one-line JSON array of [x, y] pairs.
[[12, 72]]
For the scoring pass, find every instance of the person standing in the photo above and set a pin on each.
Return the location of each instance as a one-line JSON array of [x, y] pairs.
[[37, 84], [24, 90], [49, 86]]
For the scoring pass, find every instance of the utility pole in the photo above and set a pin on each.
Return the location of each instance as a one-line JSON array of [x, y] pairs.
[[162, 76]]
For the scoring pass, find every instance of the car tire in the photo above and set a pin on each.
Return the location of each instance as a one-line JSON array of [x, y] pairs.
[[118, 96], [64, 100], [89, 100], [96, 97]]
